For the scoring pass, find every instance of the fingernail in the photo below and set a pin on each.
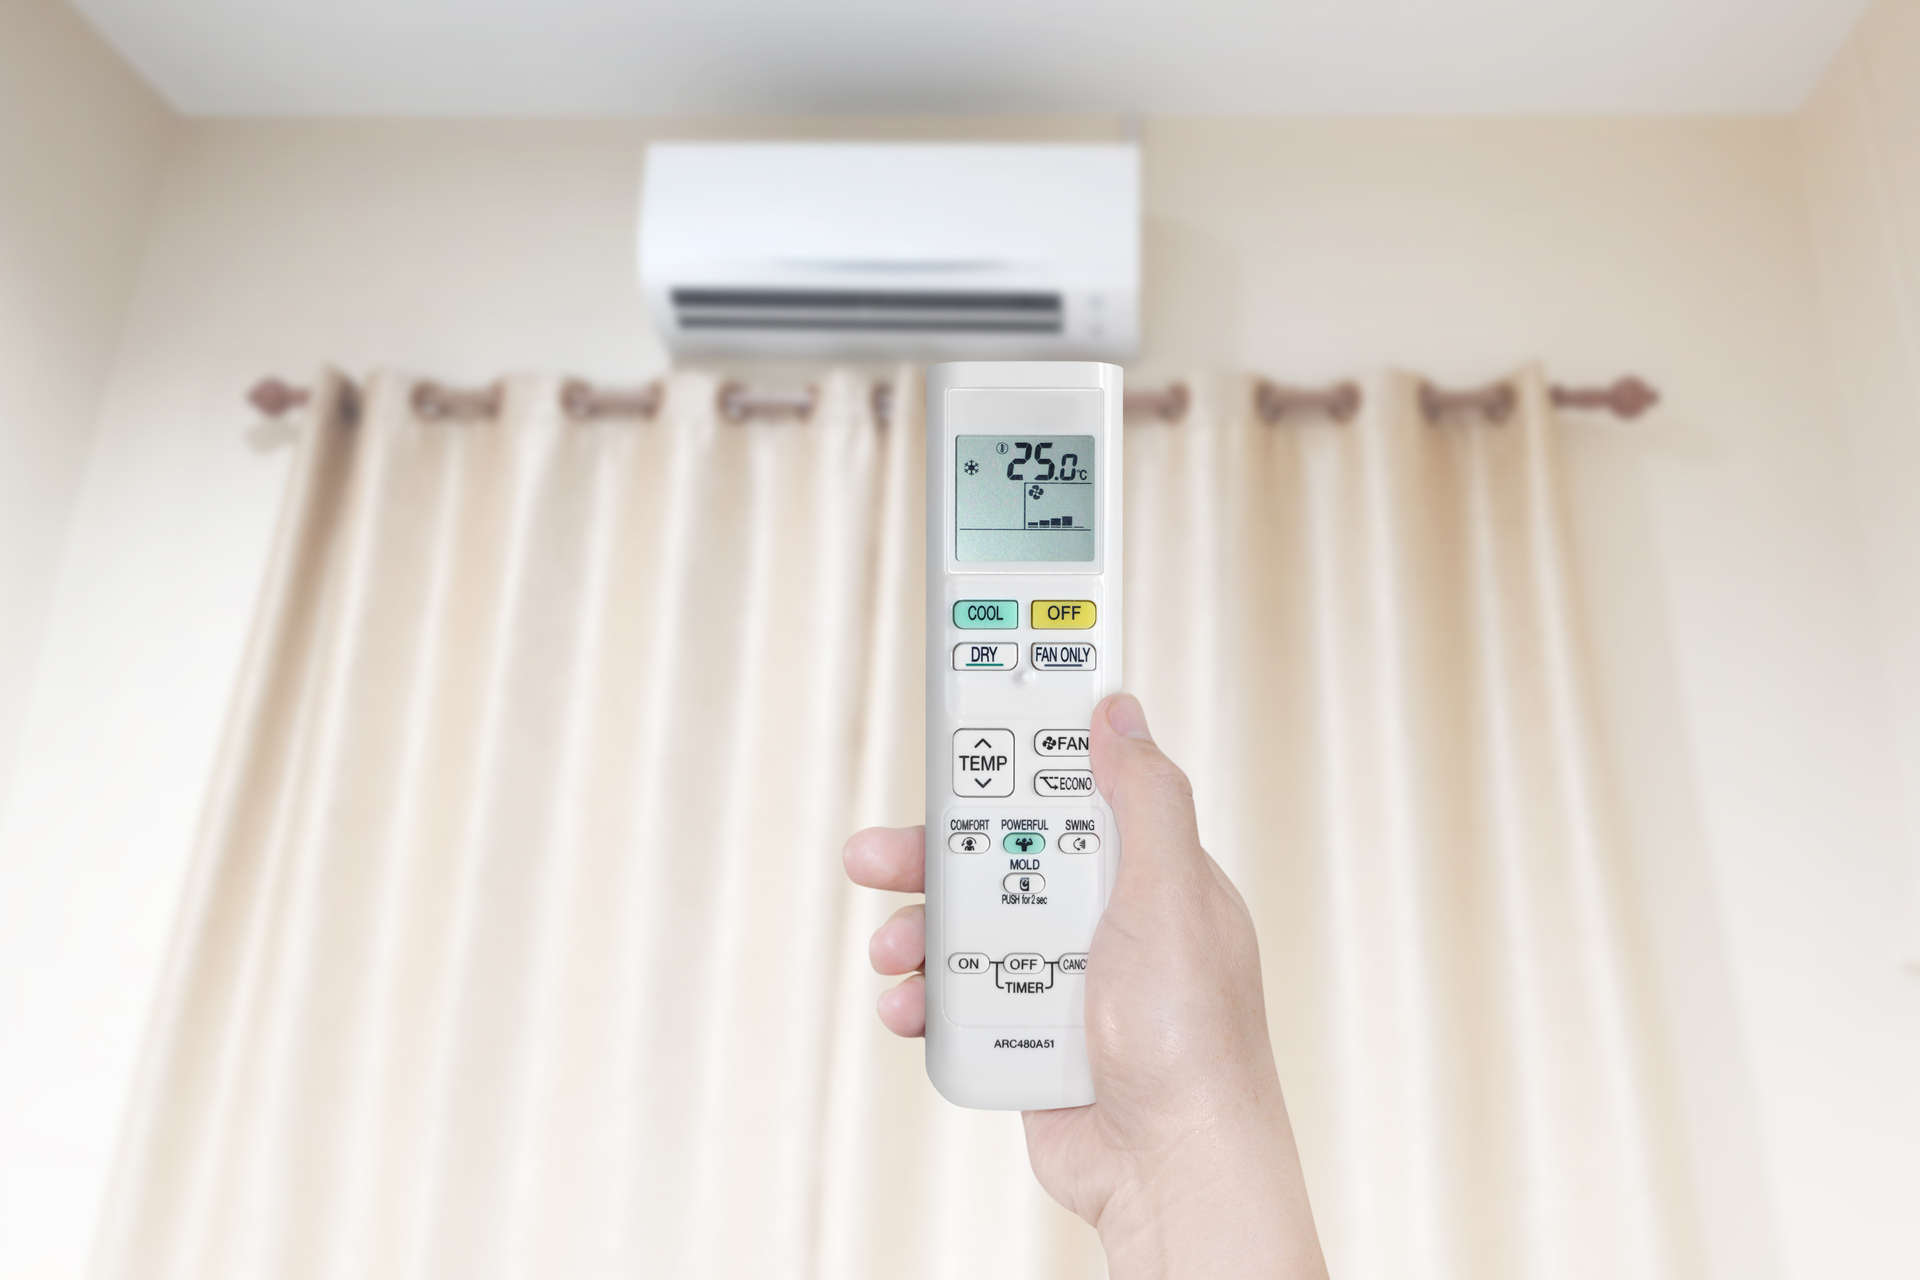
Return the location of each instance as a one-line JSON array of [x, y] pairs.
[[1127, 718]]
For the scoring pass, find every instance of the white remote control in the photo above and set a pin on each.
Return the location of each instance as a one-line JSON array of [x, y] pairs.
[[1023, 639]]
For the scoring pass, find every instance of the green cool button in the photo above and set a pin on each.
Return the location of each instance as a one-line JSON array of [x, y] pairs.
[[1024, 842], [986, 615]]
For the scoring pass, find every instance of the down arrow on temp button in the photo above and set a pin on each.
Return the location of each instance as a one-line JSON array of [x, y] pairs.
[[983, 762]]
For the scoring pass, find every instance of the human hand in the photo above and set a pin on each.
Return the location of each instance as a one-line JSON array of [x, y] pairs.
[[1185, 1162]]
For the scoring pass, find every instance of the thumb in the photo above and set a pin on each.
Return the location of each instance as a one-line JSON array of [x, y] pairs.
[[1151, 798]]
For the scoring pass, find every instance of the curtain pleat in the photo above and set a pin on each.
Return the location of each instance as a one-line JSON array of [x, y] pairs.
[[517, 944], [1364, 639]]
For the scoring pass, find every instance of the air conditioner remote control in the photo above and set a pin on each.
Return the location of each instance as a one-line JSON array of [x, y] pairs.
[[1023, 639]]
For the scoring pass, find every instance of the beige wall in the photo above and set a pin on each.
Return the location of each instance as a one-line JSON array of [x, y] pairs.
[[1860, 145], [1860, 136], [1733, 604], [81, 141]]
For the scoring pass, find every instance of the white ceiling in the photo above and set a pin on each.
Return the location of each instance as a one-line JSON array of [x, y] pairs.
[[676, 57]]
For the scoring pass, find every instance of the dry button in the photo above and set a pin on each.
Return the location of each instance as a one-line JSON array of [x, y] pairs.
[[1063, 782], [968, 962], [1064, 615], [1073, 962], [1079, 842], [967, 842], [985, 657], [1024, 882]]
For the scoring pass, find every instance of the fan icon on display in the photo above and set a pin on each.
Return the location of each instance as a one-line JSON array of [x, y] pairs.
[[1035, 492], [973, 468]]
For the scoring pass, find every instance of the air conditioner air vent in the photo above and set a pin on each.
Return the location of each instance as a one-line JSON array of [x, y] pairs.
[[867, 310]]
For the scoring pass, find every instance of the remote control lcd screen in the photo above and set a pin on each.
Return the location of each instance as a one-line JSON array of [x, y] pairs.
[[1023, 497]]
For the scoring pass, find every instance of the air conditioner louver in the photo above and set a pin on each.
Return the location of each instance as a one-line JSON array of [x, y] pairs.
[[869, 311]]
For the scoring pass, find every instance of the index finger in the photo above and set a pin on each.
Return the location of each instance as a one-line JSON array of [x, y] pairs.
[[888, 858]]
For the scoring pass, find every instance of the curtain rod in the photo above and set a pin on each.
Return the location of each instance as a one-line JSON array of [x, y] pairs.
[[1627, 397]]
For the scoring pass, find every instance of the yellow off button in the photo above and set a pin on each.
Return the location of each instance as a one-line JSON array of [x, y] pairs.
[[1063, 615]]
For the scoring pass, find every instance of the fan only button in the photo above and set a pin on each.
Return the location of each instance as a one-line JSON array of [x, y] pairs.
[[1063, 782], [1025, 882], [1079, 842], [969, 842], [983, 762], [1065, 657], [968, 962], [985, 657]]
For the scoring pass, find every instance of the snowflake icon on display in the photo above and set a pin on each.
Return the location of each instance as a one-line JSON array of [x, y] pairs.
[[973, 468]]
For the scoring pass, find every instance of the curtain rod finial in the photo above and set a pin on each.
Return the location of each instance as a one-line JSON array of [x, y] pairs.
[[273, 397]]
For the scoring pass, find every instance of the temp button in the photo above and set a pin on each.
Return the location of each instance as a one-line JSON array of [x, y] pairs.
[[983, 762]]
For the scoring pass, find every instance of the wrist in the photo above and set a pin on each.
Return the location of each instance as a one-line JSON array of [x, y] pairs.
[[1228, 1201]]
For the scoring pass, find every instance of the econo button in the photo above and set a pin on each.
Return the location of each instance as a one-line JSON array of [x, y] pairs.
[[1063, 615], [986, 615]]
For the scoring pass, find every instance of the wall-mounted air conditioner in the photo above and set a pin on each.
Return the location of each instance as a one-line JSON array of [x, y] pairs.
[[950, 250]]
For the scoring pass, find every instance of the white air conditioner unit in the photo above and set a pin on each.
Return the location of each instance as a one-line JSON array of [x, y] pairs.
[[967, 250]]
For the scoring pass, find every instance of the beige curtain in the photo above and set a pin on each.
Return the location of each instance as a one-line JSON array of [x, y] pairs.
[[517, 944]]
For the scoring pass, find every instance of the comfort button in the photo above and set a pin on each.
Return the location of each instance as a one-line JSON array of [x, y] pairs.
[[1079, 842], [968, 962], [1025, 882], [1023, 842], [967, 842], [1064, 615], [986, 615], [968, 656], [1063, 782], [983, 762]]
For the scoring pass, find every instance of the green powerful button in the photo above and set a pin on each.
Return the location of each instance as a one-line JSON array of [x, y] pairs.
[[1024, 842], [986, 615]]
